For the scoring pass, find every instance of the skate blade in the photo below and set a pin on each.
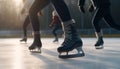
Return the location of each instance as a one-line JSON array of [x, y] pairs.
[[71, 56], [35, 51], [99, 47], [23, 42], [56, 42]]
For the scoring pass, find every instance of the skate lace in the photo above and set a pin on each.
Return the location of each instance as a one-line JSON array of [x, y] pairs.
[[68, 37], [66, 42]]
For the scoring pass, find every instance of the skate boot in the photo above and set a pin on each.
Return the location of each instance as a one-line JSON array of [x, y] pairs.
[[56, 40], [24, 39], [36, 46], [100, 42], [71, 42]]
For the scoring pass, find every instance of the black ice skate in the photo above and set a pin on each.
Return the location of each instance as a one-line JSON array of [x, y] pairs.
[[56, 40], [36, 47], [71, 42], [99, 43], [37, 44], [23, 40], [69, 45]]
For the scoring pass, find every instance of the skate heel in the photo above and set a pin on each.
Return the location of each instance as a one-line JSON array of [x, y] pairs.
[[80, 51]]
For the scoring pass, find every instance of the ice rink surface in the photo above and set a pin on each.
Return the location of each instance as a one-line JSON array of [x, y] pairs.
[[15, 55]]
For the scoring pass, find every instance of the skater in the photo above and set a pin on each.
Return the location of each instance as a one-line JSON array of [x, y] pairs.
[[55, 25], [27, 20], [102, 11], [27, 4], [71, 41], [25, 24]]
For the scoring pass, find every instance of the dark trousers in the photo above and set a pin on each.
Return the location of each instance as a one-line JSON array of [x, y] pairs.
[[25, 24], [62, 9], [104, 13], [38, 5], [55, 28]]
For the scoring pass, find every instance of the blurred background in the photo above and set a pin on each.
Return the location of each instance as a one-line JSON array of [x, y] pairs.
[[11, 20]]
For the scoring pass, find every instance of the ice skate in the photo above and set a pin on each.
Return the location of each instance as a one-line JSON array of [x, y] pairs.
[[71, 42], [24, 40], [99, 43], [35, 48], [56, 40]]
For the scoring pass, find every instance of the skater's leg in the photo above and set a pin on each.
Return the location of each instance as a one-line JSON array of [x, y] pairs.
[[55, 33], [109, 20], [62, 9], [72, 40], [35, 24], [96, 19], [35, 8], [25, 24]]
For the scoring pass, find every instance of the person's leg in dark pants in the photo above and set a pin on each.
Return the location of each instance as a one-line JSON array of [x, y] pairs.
[[103, 12], [54, 31], [109, 20], [72, 40], [96, 19], [35, 8], [25, 25]]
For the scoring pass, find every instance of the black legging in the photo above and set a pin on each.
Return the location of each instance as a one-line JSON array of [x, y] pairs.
[[104, 12], [62, 9], [38, 5], [25, 24]]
